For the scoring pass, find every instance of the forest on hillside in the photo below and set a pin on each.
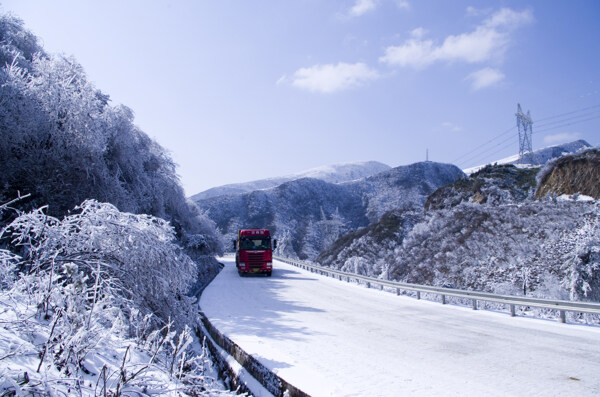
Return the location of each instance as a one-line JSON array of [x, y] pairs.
[[99, 248], [489, 233]]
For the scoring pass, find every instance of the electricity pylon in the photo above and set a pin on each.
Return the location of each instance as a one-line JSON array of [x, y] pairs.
[[524, 124]]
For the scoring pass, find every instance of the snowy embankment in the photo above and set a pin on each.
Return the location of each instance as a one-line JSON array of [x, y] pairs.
[[329, 338]]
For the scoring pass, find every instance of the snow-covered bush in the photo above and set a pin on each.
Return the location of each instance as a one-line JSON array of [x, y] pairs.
[[99, 249], [97, 279]]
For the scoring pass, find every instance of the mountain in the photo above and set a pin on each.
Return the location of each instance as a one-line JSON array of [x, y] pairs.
[[405, 187], [308, 214], [488, 232], [335, 173]]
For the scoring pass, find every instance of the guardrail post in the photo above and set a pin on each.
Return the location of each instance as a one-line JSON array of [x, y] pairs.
[[381, 287], [418, 294], [512, 310], [474, 304], [397, 291], [443, 299], [562, 316]]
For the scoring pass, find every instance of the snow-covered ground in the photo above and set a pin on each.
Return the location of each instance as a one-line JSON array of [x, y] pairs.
[[113, 365], [330, 338]]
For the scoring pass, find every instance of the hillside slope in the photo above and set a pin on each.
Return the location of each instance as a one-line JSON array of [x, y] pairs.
[[497, 184], [489, 233]]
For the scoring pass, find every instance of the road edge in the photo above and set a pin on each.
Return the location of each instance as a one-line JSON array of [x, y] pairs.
[[222, 348]]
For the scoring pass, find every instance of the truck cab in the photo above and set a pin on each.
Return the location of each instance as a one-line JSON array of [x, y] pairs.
[[254, 251]]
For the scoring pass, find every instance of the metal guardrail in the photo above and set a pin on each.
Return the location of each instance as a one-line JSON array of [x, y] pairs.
[[562, 306]]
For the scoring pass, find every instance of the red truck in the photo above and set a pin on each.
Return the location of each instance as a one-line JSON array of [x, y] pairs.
[[253, 251]]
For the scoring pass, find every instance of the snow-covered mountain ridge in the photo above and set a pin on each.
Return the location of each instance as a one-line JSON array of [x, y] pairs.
[[490, 233], [539, 157], [335, 173], [307, 215]]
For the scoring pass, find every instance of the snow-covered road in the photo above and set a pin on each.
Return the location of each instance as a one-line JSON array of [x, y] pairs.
[[330, 338]]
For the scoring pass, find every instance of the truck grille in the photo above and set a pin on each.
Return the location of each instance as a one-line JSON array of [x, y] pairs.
[[255, 259]]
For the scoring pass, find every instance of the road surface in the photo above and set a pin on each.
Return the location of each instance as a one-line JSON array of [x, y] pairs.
[[330, 338]]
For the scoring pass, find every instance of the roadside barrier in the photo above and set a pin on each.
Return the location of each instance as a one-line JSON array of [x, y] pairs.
[[276, 385], [562, 306]]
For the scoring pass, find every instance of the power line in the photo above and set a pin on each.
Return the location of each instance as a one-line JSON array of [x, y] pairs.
[[583, 116], [568, 113], [487, 153], [483, 144], [568, 124], [550, 125]]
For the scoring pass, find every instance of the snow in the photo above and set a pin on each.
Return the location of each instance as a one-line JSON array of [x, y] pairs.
[[335, 173], [21, 371], [575, 197], [330, 338]]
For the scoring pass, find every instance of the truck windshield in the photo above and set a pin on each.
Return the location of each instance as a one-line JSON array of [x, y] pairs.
[[255, 243]]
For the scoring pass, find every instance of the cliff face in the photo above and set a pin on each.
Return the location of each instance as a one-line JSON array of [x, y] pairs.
[[572, 174]]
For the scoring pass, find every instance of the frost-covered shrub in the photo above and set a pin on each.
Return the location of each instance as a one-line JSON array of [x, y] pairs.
[[87, 281], [133, 256]]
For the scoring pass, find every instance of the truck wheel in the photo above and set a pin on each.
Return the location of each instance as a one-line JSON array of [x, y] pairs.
[[240, 273], [268, 274]]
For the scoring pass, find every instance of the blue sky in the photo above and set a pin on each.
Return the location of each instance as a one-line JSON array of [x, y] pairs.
[[243, 90]]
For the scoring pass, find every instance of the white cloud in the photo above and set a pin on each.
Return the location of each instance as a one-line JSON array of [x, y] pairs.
[[418, 33], [489, 40], [485, 77], [361, 7], [561, 138], [477, 12], [331, 78], [282, 80], [414, 52], [451, 126], [509, 19], [403, 5]]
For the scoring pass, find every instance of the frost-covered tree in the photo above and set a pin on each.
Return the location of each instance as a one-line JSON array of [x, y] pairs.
[[547, 249], [578, 250], [62, 143], [97, 279], [331, 228], [133, 256], [17, 45]]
